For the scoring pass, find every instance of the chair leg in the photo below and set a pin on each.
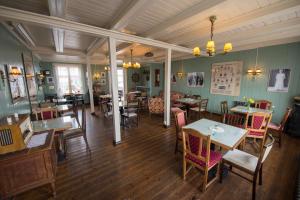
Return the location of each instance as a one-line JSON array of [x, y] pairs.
[[184, 168], [260, 175], [221, 172], [53, 189], [280, 136], [65, 147], [176, 146], [254, 187], [205, 180], [86, 143]]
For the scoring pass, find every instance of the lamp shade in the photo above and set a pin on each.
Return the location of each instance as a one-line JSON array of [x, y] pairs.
[[15, 71], [196, 51], [210, 45], [227, 47]]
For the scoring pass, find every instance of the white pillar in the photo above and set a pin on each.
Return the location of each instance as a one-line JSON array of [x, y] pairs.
[[114, 86], [167, 94], [109, 81], [90, 84]]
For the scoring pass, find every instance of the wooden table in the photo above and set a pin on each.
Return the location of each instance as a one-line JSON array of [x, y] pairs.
[[230, 139], [245, 110], [57, 124], [188, 102]]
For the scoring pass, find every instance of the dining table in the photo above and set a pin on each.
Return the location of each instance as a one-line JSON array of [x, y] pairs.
[[57, 124], [226, 136], [249, 110], [60, 108], [188, 102]]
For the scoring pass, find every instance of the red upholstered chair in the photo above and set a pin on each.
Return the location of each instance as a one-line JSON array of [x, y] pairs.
[[263, 104], [197, 153], [46, 113], [234, 120], [278, 128], [180, 121], [258, 126]]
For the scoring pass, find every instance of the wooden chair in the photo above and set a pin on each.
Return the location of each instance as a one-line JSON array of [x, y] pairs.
[[198, 155], [77, 132], [258, 126], [263, 104], [247, 163], [278, 128], [46, 113], [106, 109], [180, 121], [224, 107], [202, 108], [234, 120], [130, 115]]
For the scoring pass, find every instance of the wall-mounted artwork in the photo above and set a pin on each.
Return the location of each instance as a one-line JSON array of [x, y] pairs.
[[102, 75], [173, 78], [30, 76], [102, 82], [195, 79], [279, 80], [157, 78], [50, 80], [16, 82], [226, 78]]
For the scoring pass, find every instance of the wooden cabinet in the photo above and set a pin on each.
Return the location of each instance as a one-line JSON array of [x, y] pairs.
[[27, 169]]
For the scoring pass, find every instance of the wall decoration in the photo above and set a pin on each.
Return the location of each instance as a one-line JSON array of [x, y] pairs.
[[279, 80], [173, 78], [30, 76], [135, 77], [226, 78], [102, 74], [50, 80], [157, 77], [47, 72], [195, 79], [102, 82], [16, 83]]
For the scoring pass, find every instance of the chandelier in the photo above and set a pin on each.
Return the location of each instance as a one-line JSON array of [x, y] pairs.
[[210, 46], [131, 64]]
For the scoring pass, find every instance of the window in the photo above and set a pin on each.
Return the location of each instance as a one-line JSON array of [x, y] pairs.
[[69, 79]]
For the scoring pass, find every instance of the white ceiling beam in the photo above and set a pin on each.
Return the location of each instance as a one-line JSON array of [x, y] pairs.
[[258, 15], [122, 19], [49, 21], [57, 8], [50, 51], [185, 15]]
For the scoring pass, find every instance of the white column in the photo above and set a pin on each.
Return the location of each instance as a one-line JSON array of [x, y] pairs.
[[167, 94], [114, 86], [109, 81], [90, 84]]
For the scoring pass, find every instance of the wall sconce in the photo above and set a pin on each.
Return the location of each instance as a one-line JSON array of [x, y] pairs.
[[181, 74], [107, 68], [96, 76], [14, 72], [40, 78]]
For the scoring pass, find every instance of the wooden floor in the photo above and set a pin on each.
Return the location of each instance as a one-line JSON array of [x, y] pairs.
[[144, 166]]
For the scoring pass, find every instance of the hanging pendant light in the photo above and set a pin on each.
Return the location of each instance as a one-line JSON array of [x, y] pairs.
[[131, 64], [210, 45], [256, 69]]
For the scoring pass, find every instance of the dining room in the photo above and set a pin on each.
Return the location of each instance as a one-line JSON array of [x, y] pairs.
[[164, 99]]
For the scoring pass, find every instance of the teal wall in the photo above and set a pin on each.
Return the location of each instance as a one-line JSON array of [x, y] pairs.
[[98, 69], [11, 53], [273, 57]]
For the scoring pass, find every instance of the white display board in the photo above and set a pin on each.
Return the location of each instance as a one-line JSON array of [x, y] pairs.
[[226, 78]]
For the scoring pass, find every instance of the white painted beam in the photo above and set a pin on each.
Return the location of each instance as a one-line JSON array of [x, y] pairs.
[[90, 84], [167, 95], [51, 51], [123, 17], [114, 85]]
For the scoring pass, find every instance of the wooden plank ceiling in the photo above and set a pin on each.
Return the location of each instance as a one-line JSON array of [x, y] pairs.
[[247, 24]]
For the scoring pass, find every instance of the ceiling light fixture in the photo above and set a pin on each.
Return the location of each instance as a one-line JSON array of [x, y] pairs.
[[131, 64], [210, 46], [255, 71]]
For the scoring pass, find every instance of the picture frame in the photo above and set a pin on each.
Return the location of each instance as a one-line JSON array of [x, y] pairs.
[[195, 79], [102, 82], [50, 79], [102, 75], [47, 73], [279, 80], [173, 79]]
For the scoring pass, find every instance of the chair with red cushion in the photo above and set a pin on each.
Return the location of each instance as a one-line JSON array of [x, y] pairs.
[[258, 126], [278, 128], [263, 104], [197, 153], [180, 121], [234, 120], [46, 113]]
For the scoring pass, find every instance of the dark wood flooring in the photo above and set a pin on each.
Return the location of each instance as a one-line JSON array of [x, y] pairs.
[[144, 166]]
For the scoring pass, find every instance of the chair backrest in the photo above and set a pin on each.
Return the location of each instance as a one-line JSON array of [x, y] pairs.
[[234, 120], [196, 96], [203, 105], [180, 120], [224, 107], [156, 105], [263, 104], [264, 154], [285, 118], [259, 121], [194, 145], [46, 113]]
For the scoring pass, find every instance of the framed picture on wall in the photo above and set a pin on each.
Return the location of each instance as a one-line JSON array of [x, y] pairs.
[[195, 79], [173, 79], [279, 80], [50, 80], [102, 82], [102, 75]]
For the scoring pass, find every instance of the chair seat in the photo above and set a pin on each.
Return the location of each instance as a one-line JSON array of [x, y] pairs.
[[215, 157], [255, 133], [129, 115], [274, 126], [71, 133], [241, 159], [196, 109], [175, 109]]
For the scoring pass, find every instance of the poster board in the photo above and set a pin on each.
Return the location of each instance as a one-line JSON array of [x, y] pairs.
[[226, 78]]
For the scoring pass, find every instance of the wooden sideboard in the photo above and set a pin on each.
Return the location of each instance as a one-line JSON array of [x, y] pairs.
[[27, 169]]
